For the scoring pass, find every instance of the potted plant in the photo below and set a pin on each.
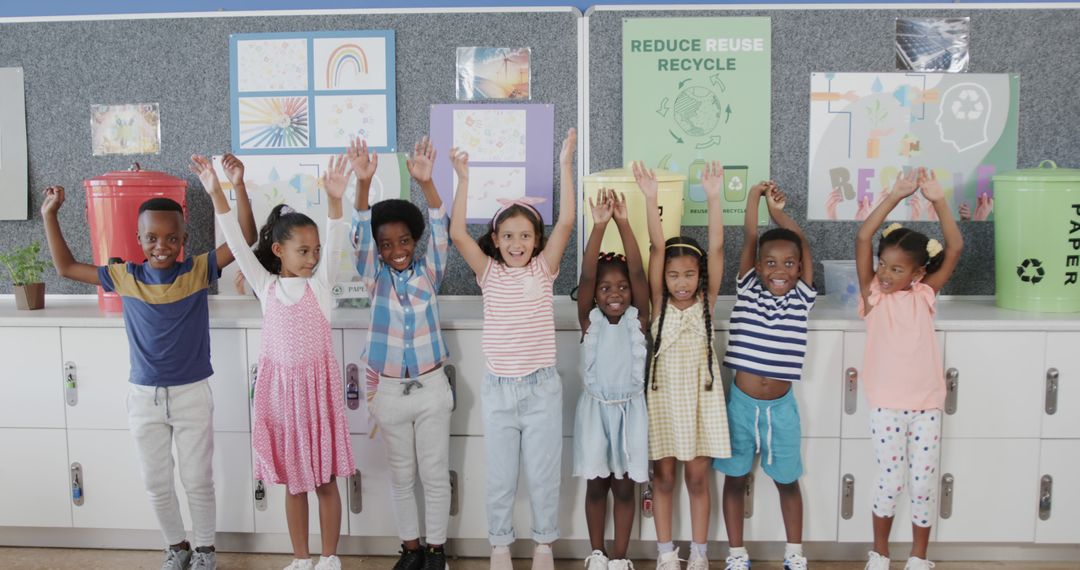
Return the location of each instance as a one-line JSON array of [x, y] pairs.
[[25, 268]]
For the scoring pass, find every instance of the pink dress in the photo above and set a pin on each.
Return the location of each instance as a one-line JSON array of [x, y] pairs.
[[300, 432]]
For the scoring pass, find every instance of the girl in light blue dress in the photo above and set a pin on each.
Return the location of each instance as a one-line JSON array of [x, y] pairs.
[[611, 427]]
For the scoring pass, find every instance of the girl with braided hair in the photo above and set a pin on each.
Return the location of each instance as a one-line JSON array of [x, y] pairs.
[[611, 442], [687, 415]]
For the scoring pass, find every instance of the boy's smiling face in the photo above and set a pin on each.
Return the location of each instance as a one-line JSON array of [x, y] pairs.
[[161, 236], [779, 266], [396, 245]]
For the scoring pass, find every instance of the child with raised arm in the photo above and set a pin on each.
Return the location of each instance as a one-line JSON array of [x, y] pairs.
[[406, 349], [167, 320], [611, 439], [522, 392], [299, 430], [687, 418], [902, 366], [766, 349]]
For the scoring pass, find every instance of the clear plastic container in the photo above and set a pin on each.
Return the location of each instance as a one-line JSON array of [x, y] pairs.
[[842, 281]]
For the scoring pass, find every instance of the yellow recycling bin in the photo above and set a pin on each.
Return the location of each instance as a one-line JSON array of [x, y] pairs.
[[670, 198]]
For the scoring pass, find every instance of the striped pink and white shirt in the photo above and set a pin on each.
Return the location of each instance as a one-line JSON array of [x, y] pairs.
[[519, 317]]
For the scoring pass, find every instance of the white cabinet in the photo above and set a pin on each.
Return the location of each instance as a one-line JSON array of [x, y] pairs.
[[34, 477], [102, 372], [233, 485], [1001, 379], [821, 460], [995, 490], [229, 357], [113, 491], [1062, 355], [467, 357], [819, 391], [1059, 461], [354, 350], [857, 459], [32, 378], [376, 517]]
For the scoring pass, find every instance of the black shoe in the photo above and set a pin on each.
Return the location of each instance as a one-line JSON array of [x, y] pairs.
[[410, 559], [435, 558]]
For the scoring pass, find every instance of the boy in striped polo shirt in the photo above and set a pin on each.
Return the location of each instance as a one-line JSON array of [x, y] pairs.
[[766, 348]]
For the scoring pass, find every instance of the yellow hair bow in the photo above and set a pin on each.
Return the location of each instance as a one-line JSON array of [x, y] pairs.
[[933, 248], [892, 228]]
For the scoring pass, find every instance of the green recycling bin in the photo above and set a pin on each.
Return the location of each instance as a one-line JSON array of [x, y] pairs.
[[1037, 239]]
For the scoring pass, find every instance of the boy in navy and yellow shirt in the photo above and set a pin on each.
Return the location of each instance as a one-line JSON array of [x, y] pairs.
[[168, 327]]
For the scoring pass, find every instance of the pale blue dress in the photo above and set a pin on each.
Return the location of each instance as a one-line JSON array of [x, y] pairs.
[[611, 427]]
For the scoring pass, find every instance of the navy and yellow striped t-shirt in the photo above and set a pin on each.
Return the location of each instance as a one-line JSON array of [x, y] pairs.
[[167, 318]]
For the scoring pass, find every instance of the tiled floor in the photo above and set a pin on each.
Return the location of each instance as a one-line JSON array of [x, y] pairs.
[[65, 559]]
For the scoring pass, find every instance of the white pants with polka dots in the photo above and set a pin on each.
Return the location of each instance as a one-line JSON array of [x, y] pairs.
[[907, 445]]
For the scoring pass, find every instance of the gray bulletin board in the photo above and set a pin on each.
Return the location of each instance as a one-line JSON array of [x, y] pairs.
[[1037, 43], [183, 64]]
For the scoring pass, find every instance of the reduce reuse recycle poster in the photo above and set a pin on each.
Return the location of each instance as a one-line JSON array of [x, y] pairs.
[[697, 90]]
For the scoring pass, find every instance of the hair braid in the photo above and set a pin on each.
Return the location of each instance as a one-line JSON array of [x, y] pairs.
[[707, 313], [656, 341]]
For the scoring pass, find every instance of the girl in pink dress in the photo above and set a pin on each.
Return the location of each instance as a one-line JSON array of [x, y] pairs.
[[299, 429]]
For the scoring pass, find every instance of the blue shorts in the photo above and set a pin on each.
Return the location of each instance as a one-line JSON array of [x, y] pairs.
[[770, 427]]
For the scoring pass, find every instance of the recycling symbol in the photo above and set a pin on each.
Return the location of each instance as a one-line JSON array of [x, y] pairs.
[[970, 111], [337, 290], [736, 184], [1030, 271]]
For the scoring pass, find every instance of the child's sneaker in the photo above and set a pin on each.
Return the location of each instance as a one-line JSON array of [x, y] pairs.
[[795, 562], [914, 563], [300, 564], [697, 562], [500, 558], [597, 561], [328, 563], [737, 563], [203, 559], [876, 562], [435, 558], [543, 559], [176, 559], [620, 564], [409, 559], [669, 561]]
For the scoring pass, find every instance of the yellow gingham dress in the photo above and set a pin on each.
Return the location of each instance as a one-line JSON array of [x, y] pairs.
[[686, 420]]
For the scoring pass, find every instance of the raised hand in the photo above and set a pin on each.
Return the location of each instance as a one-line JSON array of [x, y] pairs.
[[776, 199], [712, 178], [916, 204], [202, 167], [566, 155], [931, 188], [460, 160], [234, 169], [865, 207], [646, 179], [984, 206], [965, 212], [619, 201], [604, 207], [835, 197], [906, 184], [422, 161], [363, 163], [336, 176], [54, 198]]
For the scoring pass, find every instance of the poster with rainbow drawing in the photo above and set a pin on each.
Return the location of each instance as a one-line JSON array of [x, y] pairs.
[[311, 92]]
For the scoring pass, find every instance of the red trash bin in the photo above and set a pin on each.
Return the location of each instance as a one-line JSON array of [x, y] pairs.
[[112, 209]]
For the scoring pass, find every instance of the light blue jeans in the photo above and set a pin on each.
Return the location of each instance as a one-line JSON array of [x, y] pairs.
[[523, 423]]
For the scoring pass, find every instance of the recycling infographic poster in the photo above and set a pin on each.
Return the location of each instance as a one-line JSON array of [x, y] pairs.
[[697, 90], [868, 128]]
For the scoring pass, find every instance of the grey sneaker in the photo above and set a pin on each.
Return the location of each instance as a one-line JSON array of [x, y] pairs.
[[204, 560], [176, 559]]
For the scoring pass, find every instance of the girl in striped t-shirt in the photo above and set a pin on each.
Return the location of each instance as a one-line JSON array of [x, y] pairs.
[[522, 392]]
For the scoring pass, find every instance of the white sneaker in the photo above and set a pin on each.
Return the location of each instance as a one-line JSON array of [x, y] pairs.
[[877, 562], [795, 562], [697, 562], [620, 564], [300, 564], [328, 563], [914, 563], [737, 563], [596, 561], [669, 561], [500, 558]]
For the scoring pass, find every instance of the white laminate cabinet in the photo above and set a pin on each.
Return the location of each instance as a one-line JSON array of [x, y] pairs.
[[1058, 462], [376, 517], [229, 357], [233, 484], [354, 348], [113, 490], [34, 474], [1062, 368], [33, 378], [821, 460], [102, 371], [819, 391], [857, 460]]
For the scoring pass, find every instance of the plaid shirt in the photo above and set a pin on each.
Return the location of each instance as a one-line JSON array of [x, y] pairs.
[[404, 338]]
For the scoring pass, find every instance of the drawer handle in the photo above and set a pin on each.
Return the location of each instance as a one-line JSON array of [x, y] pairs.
[[646, 501], [71, 384], [851, 391], [847, 496], [352, 386], [260, 495], [1052, 376], [748, 499], [1046, 497], [454, 489], [952, 390], [947, 482], [356, 495], [78, 496]]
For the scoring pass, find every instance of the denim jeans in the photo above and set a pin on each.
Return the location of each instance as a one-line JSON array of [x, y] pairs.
[[523, 426]]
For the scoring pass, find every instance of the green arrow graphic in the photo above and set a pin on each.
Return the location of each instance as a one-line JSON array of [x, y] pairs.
[[684, 82], [712, 141], [715, 79], [663, 110], [728, 116], [677, 139]]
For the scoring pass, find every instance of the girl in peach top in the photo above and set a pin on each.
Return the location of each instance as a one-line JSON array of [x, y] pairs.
[[902, 368]]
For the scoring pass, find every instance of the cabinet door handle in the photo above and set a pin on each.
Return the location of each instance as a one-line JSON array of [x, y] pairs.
[[952, 390], [1051, 391], [253, 377], [851, 391], [78, 495], [454, 489], [847, 496], [71, 384], [451, 377], [947, 482], [356, 495], [646, 500], [1046, 497], [260, 495], [748, 500], [352, 386]]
